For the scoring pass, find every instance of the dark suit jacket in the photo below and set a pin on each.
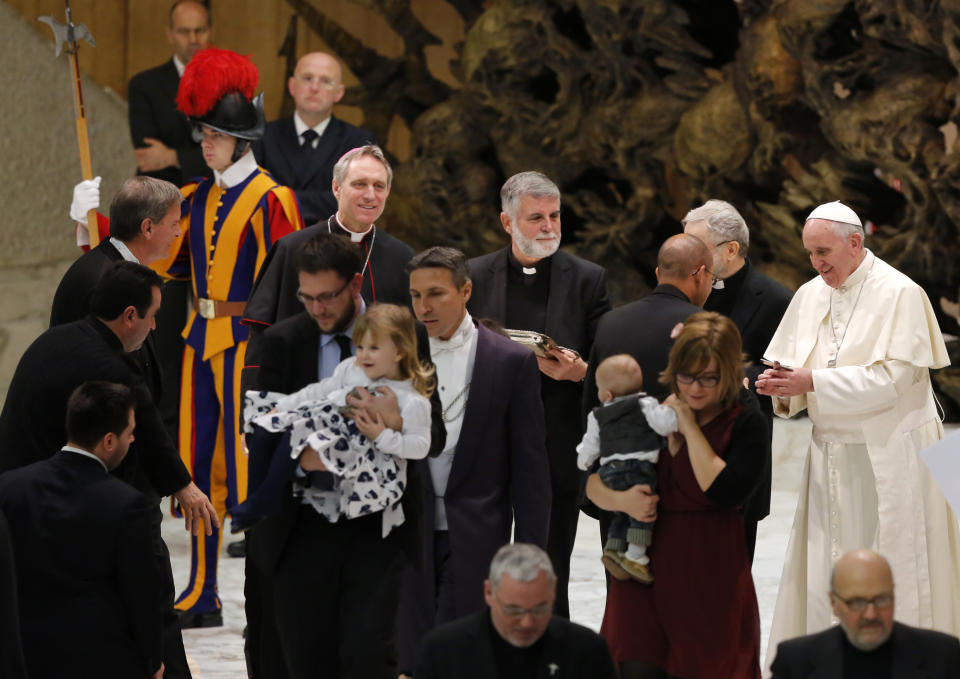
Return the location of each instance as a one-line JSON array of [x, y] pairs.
[[308, 172], [11, 650], [61, 359], [917, 654], [71, 302], [641, 329], [152, 95], [291, 362], [578, 298], [462, 649], [500, 475], [86, 569], [757, 313]]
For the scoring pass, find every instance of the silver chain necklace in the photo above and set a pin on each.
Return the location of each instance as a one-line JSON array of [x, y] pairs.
[[447, 417], [832, 363]]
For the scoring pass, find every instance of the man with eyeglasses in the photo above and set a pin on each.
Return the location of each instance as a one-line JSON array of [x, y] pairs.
[[754, 302], [298, 562], [518, 635], [867, 642], [300, 150]]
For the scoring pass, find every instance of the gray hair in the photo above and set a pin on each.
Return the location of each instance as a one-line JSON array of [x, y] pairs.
[[532, 183], [522, 562], [140, 198], [372, 150], [439, 257], [723, 222]]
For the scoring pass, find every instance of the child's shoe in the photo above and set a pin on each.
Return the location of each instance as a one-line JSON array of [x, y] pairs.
[[636, 570], [613, 562]]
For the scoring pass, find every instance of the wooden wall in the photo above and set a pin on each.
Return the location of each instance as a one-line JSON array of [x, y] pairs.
[[130, 37]]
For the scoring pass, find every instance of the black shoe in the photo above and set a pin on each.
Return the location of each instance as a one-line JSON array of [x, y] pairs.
[[191, 620], [237, 549]]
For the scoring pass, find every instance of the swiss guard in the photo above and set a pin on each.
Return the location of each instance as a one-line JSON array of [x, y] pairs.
[[227, 227]]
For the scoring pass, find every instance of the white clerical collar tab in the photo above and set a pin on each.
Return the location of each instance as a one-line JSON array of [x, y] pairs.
[[529, 270], [835, 212]]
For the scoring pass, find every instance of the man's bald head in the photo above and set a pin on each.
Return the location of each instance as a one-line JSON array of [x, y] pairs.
[[684, 261], [862, 598]]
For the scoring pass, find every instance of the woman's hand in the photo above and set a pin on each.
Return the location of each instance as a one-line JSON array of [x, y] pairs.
[[370, 424], [639, 502]]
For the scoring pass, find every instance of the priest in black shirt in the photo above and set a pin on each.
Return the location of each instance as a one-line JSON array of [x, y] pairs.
[[518, 636], [532, 285], [754, 302], [867, 644]]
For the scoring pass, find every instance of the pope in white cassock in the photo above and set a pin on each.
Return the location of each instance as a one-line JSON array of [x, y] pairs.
[[861, 339]]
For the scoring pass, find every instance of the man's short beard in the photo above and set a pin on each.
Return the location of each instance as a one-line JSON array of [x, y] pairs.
[[344, 321], [533, 248]]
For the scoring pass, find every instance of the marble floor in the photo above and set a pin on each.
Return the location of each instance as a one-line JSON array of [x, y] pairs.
[[218, 652]]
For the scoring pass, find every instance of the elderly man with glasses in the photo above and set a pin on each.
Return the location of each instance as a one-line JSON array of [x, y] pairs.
[[517, 635], [867, 642]]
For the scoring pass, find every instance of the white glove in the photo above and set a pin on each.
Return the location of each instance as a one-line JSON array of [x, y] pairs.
[[86, 197]]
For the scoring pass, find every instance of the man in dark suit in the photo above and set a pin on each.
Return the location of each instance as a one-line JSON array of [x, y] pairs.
[[643, 328], [867, 642], [144, 221], [493, 470], [517, 636], [122, 310], [298, 562], [300, 151], [361, 183], [84, 557], [531, 285], [754, 302], [162, 138]]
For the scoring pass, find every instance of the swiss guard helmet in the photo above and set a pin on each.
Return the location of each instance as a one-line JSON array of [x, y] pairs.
[[216, 91]]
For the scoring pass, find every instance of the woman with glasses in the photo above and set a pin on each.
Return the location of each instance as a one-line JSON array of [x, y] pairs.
[[699, 618]]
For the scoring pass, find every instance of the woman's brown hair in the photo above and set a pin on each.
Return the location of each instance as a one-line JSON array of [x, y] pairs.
[[708, 335], [396, 323]]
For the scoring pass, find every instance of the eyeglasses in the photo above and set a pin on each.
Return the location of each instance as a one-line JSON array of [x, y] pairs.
[[714, 279], [705, 381], [323, 82], [323, 297], [859, 604], [517, 612]]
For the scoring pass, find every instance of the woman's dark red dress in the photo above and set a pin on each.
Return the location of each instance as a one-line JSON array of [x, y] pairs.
[[699, 619]]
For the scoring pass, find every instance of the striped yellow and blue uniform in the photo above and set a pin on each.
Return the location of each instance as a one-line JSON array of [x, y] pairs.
[[225, 236]]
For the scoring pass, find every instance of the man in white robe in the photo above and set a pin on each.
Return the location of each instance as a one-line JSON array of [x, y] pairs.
[[861, 339]]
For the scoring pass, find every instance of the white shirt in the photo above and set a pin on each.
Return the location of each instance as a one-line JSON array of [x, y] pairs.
[[302, 127], [123, 250], [454, 360], [237, 172], [179, 65], [85, 453]]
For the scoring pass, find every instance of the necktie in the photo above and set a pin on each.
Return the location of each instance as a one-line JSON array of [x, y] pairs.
[[308, 136], [346, 346]]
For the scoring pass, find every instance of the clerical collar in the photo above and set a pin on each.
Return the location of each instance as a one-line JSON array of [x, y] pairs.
[[237, 172], [179, 65], [354, 236], [859, 274], [540, 266], [460, 336], [302, 127]]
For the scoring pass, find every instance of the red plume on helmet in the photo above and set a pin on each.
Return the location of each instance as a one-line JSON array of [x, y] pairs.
[[216, 91], [211, 74]]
